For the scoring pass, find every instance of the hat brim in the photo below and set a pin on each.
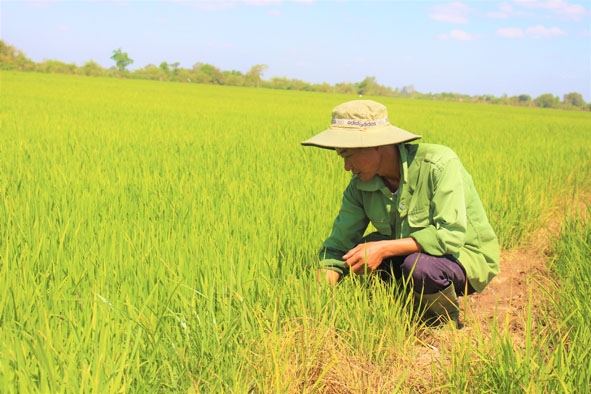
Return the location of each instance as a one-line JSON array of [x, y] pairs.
[[336, 137]]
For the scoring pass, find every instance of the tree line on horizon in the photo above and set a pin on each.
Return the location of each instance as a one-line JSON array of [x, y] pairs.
[[204, 73]]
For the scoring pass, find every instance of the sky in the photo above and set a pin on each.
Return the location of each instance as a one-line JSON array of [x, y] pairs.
[[470, 47]]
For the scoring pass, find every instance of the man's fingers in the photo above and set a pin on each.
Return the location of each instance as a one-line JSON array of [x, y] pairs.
[[352, 252], [351, 261], [349, 254], [360, 268]]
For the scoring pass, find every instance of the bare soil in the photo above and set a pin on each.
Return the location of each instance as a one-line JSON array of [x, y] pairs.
[[505, 298], [520, 291], [505, 304]]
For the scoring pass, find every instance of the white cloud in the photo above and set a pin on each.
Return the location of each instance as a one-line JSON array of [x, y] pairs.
[[262, 2], [209, 5], [451, 12], [458, 35], [42, 3], [218, 45], [557, 7], [510, 32], [505, 11], [462, 35], [540, 31]]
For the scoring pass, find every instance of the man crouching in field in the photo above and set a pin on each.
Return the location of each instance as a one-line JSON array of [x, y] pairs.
[[433, 231]]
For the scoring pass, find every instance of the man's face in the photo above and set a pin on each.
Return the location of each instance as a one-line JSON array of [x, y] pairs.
[[363, 162]]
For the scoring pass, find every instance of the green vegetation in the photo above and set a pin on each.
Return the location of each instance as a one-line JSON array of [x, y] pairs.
[[203, 73], [162, 238], [122, 60], [572, 334]]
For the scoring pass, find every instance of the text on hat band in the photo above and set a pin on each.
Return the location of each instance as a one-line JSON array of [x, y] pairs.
[[358, 123]]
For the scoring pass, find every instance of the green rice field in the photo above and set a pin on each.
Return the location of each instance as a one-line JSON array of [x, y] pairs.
[[162, 237]]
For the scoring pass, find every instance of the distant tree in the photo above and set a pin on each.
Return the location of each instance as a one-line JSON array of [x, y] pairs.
[[574, 99], [324, 87], [345, 88], [253, 76], [524, 99], [164, 67], [56, 67], [91, 69], [173, 70], [280, 83], [424, 96], [183, 75], [14, 59], [299, 85], [121, 59], [407, 91], [492, 99], [169, 69], [367, 87], [233, 78], [448, 96], [206, 73], [150, 72], [547, 100]]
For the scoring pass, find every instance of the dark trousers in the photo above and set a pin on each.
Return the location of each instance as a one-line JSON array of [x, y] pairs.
[[425, 273]]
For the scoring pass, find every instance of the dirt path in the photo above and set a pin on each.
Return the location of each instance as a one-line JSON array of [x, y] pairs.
[[518, 291], [506, 297], [504, 304], [521, 271]]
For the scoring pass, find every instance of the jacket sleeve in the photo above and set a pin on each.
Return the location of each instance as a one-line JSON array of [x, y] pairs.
[[347, 230], [442, 230]]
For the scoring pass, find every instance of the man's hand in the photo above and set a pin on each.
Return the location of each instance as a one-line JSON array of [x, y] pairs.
[[328, 276], [365, 257]]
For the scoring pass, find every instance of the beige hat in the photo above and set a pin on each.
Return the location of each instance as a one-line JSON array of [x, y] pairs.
[[360, 124]]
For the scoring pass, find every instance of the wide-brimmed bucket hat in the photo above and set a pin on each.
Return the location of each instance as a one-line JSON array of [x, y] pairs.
[[360, 124]]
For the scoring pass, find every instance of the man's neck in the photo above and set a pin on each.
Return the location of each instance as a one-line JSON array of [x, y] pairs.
[[390, 170]]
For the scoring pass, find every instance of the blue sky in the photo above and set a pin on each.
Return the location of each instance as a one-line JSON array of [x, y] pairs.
[[471, 47]]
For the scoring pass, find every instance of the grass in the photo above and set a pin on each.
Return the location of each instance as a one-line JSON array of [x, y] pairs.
[[162, 237]]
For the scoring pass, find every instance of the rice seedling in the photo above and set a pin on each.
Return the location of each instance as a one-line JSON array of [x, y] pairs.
[[163, 237]]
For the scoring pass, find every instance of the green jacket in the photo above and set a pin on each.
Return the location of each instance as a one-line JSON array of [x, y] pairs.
[[436, 204]]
